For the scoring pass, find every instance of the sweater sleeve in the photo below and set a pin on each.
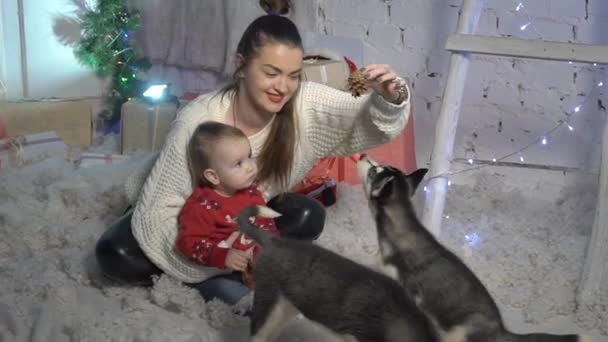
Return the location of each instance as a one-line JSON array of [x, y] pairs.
[[336, 123], [167, 186], [198, 238]]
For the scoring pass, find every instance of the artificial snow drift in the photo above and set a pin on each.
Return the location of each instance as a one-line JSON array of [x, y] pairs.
[[527, 251]]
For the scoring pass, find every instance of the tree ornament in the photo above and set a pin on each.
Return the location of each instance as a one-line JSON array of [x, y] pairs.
[[357, 83]]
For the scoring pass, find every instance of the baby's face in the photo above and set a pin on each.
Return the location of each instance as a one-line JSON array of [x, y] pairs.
[[235, 167]]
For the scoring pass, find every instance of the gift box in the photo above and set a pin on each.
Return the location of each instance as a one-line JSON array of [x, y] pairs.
[[89, 159], [333, 73], [71, 120], [23, 149], [145, 126], [318, 183]]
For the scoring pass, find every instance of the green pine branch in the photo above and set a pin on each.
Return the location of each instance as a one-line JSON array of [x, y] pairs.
[[106, 47]]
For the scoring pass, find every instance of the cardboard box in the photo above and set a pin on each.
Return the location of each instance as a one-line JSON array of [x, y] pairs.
[[23, 149], [71, 120], [144, 126], [330, 72]]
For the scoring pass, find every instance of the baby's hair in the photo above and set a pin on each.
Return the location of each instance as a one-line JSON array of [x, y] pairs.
[[204, 139]]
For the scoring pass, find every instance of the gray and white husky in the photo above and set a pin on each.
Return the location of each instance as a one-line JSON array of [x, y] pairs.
[[444, 287], [359, 304]]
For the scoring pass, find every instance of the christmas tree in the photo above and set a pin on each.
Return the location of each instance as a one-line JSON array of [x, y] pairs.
[[105, 46]]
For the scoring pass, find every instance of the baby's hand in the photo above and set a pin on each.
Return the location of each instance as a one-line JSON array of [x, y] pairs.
[[237, 259]]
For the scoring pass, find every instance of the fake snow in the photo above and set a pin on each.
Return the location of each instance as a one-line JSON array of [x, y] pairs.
[[528, 252]]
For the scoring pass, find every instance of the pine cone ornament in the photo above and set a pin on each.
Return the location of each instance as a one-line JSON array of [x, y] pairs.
[[357, 83]]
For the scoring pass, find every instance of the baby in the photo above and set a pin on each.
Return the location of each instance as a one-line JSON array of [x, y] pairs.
[[223, 175]]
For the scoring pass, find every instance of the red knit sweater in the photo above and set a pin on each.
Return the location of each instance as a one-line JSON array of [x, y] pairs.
[[207, 219]]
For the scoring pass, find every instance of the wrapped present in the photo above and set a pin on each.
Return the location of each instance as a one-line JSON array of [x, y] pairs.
[[71, 120], [318, 183], [89, 159], [333, 73], [145, 126], [23, 149]]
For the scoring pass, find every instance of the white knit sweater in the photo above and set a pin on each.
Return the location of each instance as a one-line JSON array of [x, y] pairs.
[[330, 122]]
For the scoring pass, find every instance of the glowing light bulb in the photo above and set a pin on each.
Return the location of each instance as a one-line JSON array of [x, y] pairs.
[[472, 238], [544, 141], [524, 27], [155, 91]]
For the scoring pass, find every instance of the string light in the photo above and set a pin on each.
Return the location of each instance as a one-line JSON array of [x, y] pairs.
[[529, 22], [472, 238]]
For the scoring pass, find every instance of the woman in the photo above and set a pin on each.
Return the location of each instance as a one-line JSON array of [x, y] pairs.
[[290, 124]]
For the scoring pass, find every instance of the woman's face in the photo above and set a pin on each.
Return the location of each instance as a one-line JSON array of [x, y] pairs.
[[273, 76]]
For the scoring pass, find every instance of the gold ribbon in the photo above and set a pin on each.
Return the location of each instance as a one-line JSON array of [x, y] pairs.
[[106, 157], [14, 146]]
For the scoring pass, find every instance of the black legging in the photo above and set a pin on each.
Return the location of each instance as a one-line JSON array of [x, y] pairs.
[[120, 258]]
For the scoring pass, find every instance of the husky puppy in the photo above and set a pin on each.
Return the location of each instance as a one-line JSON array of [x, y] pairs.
[[444, 287], [353, 301]]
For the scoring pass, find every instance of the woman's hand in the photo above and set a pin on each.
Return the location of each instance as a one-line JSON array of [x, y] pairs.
[[385, 82], [237, 259]]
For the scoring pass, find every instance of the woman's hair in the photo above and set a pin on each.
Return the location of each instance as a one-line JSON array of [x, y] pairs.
[[201, 146], [276, 157], [276, 6]]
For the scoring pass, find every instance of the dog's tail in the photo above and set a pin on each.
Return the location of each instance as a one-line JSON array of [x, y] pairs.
[[538, 337], [244, 224]]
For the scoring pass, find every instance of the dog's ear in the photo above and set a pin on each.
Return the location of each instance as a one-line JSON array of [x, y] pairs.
[[414, 179], [380, 188]]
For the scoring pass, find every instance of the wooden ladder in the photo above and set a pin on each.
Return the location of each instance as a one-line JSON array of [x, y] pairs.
[[462, 45]]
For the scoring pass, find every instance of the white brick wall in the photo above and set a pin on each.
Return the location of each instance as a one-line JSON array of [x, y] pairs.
[[528, 96]]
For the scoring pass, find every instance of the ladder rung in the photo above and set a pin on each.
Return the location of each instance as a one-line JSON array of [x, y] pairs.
[[526, 48]]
